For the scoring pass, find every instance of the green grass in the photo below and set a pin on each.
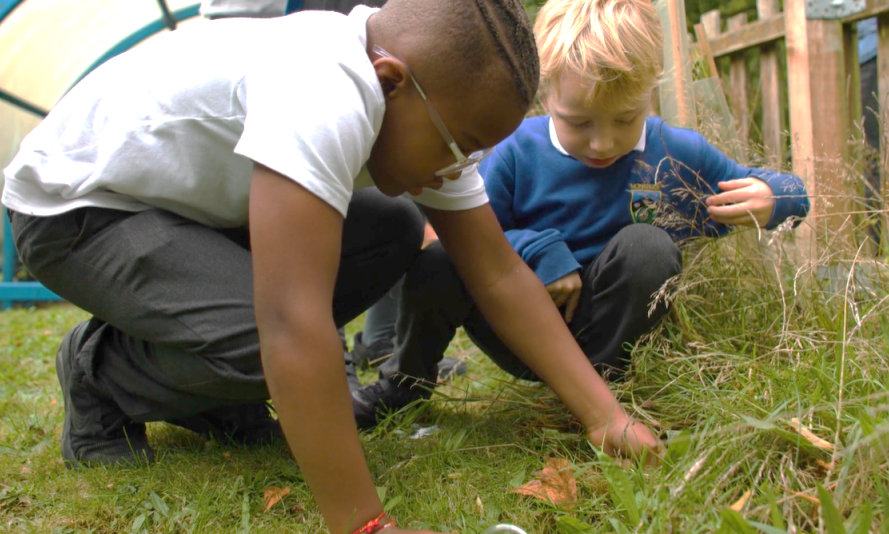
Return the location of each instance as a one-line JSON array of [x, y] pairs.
[[749, 346]]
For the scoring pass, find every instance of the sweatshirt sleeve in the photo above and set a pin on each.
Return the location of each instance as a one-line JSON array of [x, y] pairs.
[[791, 199], [545, 252]]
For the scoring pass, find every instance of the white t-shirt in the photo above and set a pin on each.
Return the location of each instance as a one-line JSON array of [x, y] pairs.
[[175, 123], [243, 8]]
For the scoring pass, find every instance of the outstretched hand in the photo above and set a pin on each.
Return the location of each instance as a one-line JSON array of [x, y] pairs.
[[624, 437], [747, 201]]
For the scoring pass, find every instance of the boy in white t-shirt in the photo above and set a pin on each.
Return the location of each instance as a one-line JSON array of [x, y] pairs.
[[192, 194]]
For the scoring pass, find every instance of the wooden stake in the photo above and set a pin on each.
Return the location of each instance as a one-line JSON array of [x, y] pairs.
[[830, 112], [772, 106], [738, 82], [799, 87], [855, 142], [883, 101], [706, 53], [712, 22], [678, 44]]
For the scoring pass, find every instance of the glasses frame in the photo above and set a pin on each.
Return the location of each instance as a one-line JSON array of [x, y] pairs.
[[463, 162]]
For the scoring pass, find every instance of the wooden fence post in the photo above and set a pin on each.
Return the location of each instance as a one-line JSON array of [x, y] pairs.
[[799, 88], [712, 22], [853, 82], [677, 42], [819, 122], [830, 123], [855, 142], [738, 81], [712, 97], [772, 108], [883, 104]]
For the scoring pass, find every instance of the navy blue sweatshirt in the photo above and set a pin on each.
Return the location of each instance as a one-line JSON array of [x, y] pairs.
[[559, 214]]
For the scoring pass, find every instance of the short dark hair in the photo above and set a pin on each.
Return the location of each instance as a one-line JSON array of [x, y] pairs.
[[450, 43]]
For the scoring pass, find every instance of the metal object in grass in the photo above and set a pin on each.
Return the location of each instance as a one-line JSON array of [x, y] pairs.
[[504, 528]]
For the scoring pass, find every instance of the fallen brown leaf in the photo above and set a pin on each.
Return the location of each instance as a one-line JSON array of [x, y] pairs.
[[739, 504], [824, 465], [272, 495], [556, 484], [800, 495], [809, 435]]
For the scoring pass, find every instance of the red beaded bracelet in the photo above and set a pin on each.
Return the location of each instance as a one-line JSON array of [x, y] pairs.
[[376, 524]]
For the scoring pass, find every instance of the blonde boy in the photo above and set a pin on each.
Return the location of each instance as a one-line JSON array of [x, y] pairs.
[[593, 196]]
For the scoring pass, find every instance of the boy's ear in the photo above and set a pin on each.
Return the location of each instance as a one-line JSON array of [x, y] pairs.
[[393, 76]]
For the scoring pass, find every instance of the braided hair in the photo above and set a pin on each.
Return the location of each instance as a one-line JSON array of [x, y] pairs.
[[460, 45]]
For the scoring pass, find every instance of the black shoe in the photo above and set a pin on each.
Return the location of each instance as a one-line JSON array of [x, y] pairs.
[[351, 376], [246, 424], [373, 354], [383, 395], [96, 431]]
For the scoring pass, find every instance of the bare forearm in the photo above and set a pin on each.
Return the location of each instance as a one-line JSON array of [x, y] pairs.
[[521, 311], [543, 342], [312, 400]]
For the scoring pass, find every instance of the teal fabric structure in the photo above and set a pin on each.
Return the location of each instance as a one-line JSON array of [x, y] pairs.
[[47, 46]]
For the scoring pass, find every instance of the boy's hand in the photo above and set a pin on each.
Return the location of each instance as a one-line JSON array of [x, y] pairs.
[[748, 201], [625, 437], [566, 292]]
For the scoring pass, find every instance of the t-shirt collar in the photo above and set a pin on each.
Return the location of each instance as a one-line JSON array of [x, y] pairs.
[[640, 146], [360, 14]]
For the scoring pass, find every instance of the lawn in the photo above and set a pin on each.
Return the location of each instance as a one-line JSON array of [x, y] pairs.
[[768, 382]]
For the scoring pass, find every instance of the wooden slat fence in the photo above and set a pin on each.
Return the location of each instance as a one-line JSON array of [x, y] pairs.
[[816, 63]]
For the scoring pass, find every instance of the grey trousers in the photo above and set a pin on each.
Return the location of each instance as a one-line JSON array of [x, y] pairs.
[[613, 309], [174, 299]]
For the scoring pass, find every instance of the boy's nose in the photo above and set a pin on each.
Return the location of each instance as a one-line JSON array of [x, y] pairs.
[[601, 144]]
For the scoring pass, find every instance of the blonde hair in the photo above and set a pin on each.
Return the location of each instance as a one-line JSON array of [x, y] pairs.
[[615, 46]]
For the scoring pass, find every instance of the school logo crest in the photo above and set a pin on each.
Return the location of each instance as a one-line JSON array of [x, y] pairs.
[[645, 199]]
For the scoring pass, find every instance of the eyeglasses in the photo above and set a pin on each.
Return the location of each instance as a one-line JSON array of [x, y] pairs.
[[463, 162]]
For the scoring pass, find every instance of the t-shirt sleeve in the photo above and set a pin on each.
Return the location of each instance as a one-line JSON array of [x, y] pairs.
[[315, 124], [464, 193]]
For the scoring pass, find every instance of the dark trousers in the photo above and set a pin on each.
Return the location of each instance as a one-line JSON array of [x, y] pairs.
[[175, 298], [613, 310]]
